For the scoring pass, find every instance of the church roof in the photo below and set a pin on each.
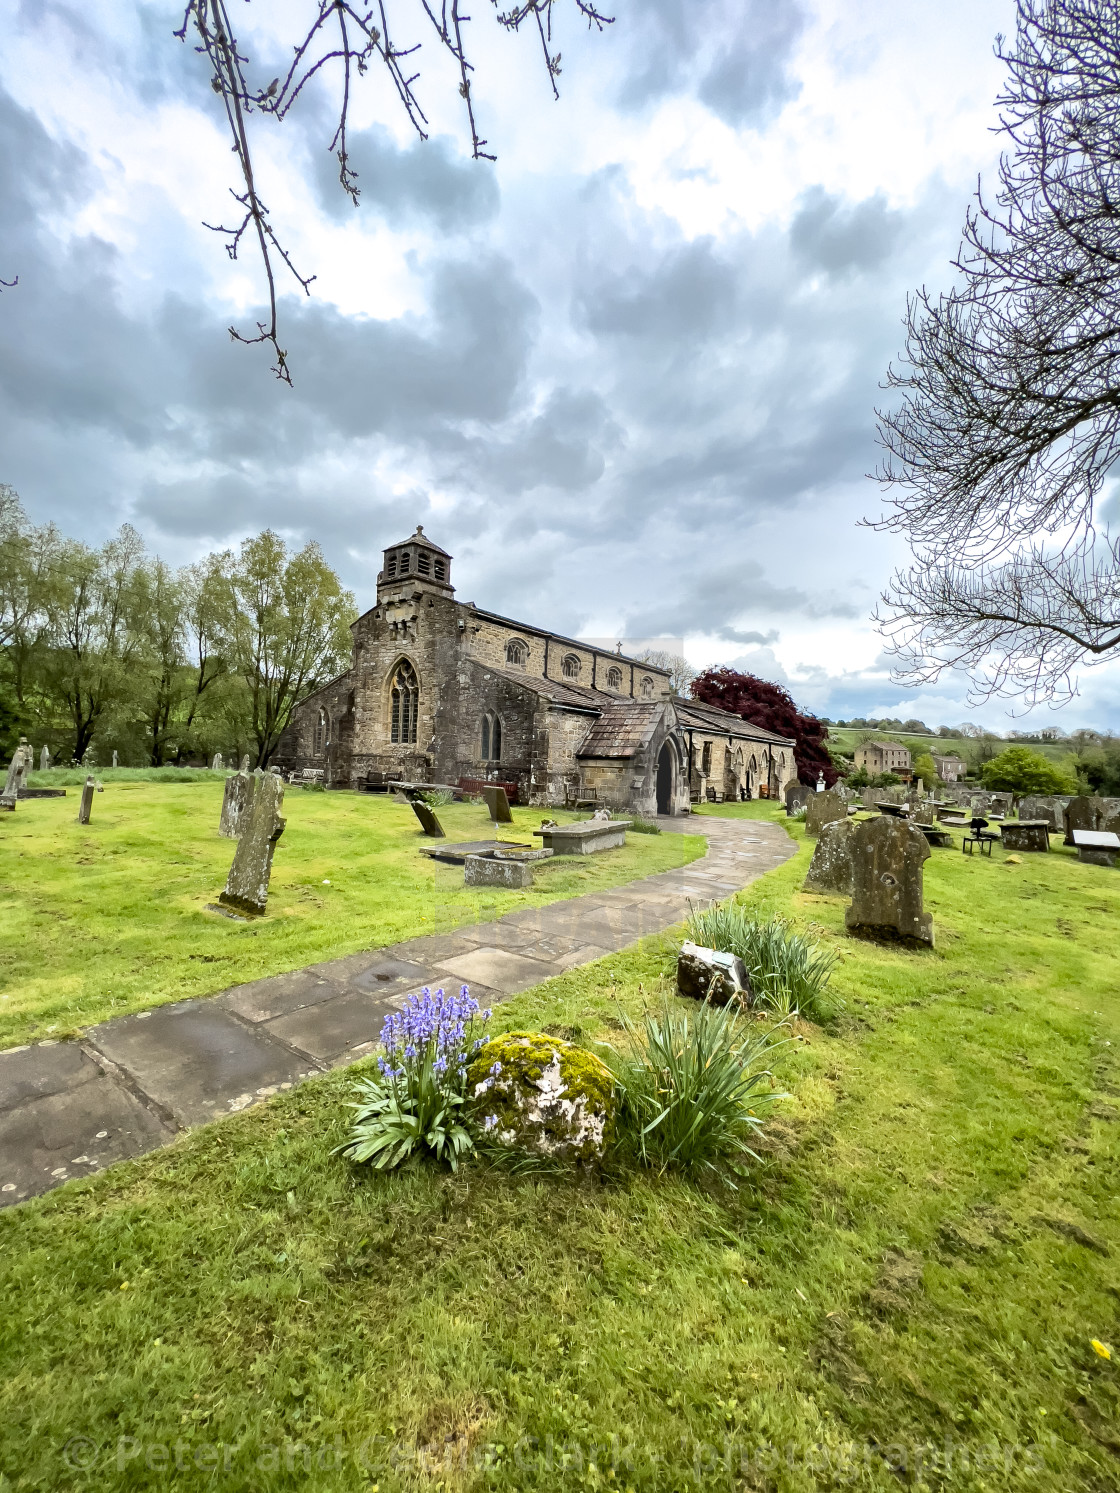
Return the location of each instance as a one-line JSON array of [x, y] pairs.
[[558, 637], [623, 729], [421, 538], [711, 718]]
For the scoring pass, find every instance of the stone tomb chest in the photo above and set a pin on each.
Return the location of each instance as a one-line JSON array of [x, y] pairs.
[[1028, 834], [585, 837]]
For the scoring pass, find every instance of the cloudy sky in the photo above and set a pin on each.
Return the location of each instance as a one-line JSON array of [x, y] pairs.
[[626, 375]]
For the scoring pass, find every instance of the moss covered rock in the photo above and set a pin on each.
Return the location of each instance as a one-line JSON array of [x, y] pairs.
[[540, 1094]]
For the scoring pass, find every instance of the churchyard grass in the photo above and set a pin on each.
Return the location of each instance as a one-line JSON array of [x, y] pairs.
[[109, 918], [917, 1272]]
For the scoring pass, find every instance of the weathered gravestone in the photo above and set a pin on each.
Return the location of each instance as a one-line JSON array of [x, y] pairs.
[[114, 756], [887, 860], [44, 760], [86, 805], [427, 818], [247, 885], [1027, 834], [1086, 811], [797, 795], [823, 808], [486, 870], [17, 773], [830, 870], [710, 974], [1035, 807], [245, 763], [236, 803], [217, 765], [498, 804]]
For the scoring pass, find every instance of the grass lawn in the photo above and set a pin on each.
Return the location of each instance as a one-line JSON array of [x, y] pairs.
[[110, 917], [914, 1274]]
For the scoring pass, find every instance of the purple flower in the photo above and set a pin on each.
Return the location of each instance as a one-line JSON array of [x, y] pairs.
[[489, 1122]]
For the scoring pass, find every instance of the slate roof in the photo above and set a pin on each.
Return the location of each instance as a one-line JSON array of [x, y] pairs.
[[559, 692], [719, 722], [623, 729], [420, 538]]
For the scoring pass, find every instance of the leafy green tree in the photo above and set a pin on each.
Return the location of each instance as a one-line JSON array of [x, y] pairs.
[[288, 631], [1019, 770], [925, 769]]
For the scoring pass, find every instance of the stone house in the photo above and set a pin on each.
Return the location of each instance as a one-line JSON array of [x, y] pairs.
[[949, 769], [878, 757], [443, 691]]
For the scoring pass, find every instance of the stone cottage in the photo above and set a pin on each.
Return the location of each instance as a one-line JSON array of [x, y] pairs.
[[878, 757], [441, 691]]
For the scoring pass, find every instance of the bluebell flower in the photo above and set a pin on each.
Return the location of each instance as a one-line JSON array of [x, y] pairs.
[[489, 1122]]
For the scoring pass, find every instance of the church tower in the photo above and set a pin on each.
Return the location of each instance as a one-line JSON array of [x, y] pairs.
[[415, 561]]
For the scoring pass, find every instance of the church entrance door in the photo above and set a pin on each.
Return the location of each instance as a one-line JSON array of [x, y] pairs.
[[665, 780]]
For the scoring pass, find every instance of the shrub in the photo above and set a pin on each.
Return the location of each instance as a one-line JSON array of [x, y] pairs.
[[416, 1102], [788, 971], [437, 798], [639, 825], [1019, 770], [691, 1087]]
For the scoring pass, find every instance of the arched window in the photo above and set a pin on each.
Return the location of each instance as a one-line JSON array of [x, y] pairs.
[[491, 739], [614, 677], [647, 687], [517, 653], [322, 734], [570, 666], [405, 702]]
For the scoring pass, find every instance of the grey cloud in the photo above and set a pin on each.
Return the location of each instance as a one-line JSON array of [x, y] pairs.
[[831, 235], [429, 181], [733, 54]]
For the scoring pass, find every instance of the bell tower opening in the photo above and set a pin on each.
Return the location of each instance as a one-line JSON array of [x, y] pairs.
[[416, 561]]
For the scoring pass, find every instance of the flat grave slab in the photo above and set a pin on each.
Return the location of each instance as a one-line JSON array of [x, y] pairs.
[[1096, 847], [456, 855], [197, 1060]]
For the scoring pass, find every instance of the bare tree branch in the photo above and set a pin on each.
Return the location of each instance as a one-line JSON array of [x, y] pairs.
[[343, 37]]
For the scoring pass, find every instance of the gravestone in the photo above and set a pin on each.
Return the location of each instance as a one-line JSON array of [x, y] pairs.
[[710, 974], [1086, 811], [17, 772], [498, 804], [245, 763], [114, 756], [887, 860], [830, 870], [236, 803], [823, 808], [486, 870], [428, 820], [86, 804], [1035, 807], [44, 760], [1027, 834], [797, 795], [217, 765], [247, 885], [1001, 803]]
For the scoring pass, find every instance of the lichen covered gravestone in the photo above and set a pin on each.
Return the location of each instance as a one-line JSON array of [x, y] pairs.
[[1035, 806], [86, 805], [830, 870], [236, 803], [1086, 811], [247, 886], [887, 861], [822, 809], [17, 774], [486, 870], [535, 1093]]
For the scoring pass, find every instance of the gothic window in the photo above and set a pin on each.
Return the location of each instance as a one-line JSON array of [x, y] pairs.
[[569, 666], [491, 738], [517, 653], [424, 563], [441, 571], [405, 702], [614, 677], [321, 733], [706, 758], [647, 687]]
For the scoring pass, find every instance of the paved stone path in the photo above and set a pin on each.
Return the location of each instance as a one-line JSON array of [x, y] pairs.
[[68, 1109]]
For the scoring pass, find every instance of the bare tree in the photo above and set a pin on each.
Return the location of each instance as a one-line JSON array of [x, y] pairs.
[[347, 40], [681, 672], [1009, 419]]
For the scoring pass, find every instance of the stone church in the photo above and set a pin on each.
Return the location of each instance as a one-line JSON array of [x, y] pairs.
[[441, 691]]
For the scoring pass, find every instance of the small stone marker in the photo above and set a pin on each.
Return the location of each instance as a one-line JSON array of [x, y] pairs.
[[86, 804], [887, 860], [822, 809], [710, 974], [44, 760], [486, 870], [245, 763], [217, 765], [498, 804], [236, 803], [820, 782], [1086, 811], [428, 820], [114, 756], [830, 870], [247, 886], [16, 774]]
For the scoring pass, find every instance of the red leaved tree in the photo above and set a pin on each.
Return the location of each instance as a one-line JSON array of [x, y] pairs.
[[770, 706]]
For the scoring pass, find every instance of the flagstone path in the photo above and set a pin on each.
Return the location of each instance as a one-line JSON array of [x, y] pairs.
[[68, 1109]]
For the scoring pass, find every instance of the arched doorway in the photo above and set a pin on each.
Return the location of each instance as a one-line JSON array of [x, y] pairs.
[[665, 780]]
